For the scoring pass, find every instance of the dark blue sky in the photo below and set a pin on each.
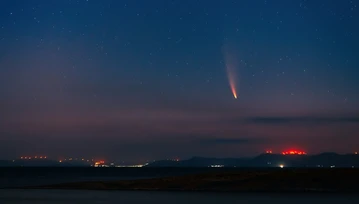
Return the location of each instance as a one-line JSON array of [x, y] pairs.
[[137, 80]]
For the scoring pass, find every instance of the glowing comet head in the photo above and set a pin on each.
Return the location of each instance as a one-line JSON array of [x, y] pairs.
[[231, 65], [232, 82], [234, 93]]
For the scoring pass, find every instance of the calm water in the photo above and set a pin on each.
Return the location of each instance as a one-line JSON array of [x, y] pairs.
[[89, 197], [11, 177], [31, 176]]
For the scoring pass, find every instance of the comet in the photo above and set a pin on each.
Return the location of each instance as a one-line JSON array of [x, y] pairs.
[[231, 65], [232, 81]]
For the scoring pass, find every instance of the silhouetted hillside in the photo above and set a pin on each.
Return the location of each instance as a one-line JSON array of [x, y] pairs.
[[264, 160], [267, 160]]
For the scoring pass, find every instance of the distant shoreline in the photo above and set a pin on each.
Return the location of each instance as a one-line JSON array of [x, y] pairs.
[[279, 181]]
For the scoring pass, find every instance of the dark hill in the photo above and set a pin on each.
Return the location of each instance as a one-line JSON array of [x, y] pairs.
[[268, 160]]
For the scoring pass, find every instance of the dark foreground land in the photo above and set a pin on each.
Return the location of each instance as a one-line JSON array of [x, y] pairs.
[[241, 180]]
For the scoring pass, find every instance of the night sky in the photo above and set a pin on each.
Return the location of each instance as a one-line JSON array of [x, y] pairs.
[[138, 79]]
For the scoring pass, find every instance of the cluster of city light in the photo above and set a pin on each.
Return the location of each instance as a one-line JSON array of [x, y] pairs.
[[294, 152], [99, 163], [216, 166], [173, 159], [33, 157], [133, 166], [290, 152], [75, 159]]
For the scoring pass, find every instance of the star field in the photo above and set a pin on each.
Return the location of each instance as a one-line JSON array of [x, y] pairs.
[[136, 79]]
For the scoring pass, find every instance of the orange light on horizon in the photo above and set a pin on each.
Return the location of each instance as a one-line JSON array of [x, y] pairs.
[[269, 152], [99, 163]]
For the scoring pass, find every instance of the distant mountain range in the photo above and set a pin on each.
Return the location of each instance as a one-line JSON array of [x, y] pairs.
[[325, 160]]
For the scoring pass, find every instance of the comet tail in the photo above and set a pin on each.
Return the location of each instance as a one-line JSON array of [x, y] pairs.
[[231, 65]]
